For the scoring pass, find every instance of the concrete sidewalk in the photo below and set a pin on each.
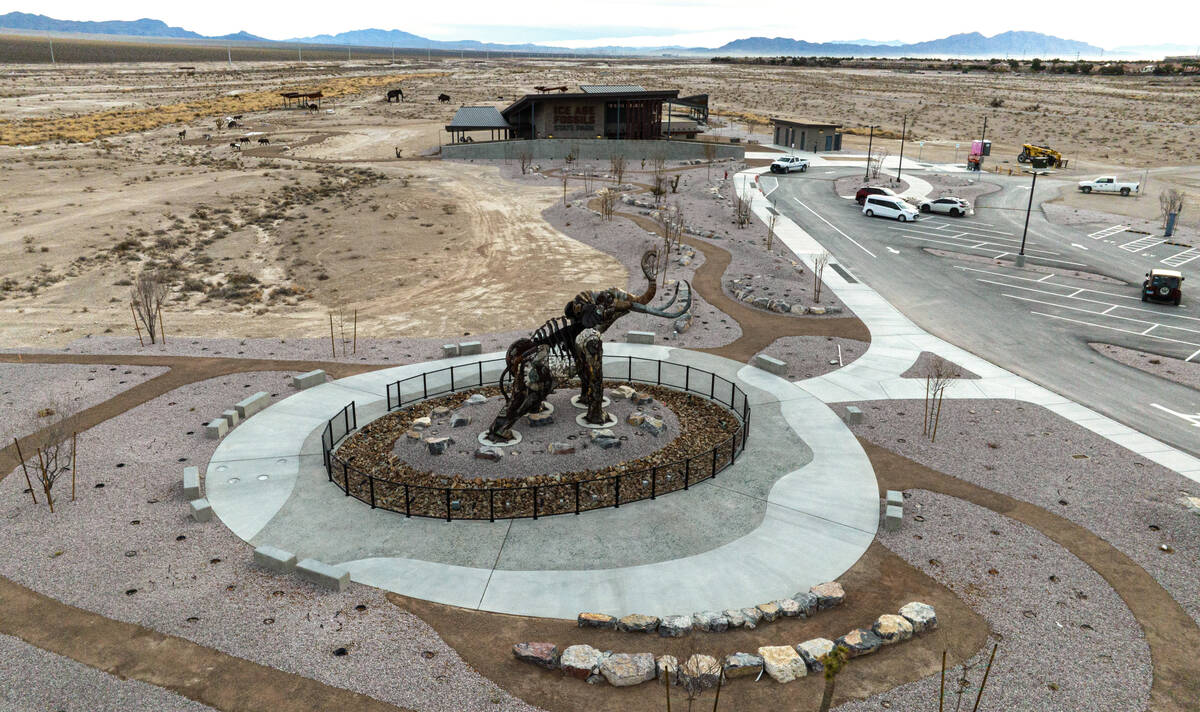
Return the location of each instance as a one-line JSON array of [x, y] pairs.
[[896, 342]]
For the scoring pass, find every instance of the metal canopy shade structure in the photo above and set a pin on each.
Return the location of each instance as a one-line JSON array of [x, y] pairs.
[[697, 106], [478, 118], [606, 111], [610, 88], [300, 99]]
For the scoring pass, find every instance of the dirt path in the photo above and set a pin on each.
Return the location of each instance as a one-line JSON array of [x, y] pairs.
[[1172, 635]]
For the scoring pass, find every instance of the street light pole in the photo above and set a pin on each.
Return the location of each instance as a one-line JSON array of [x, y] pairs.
[[1028, 209], [870, 140], [903, 131]]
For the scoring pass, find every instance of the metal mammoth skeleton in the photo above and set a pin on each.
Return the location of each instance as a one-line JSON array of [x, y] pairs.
[[570, 346]]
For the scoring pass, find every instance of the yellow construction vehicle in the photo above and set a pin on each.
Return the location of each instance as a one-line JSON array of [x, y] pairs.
[[1053, 158]]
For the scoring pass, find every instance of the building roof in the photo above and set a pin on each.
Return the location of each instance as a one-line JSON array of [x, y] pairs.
[[519, 104], [470, 118], [697, 100], [806, 124], [609, 88]]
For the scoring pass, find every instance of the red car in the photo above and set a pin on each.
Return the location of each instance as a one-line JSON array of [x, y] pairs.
[[862, 193]]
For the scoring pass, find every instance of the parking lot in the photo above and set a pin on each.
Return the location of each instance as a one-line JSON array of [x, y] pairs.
[[1110, 307]]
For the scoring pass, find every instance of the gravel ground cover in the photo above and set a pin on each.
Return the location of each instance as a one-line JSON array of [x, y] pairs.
[[26, 388], [1186, 373], [969, 187], [927, 360], [34, 679], [1067, 215], [812, 356], [530, 456], [129, 551], [1031, 454], [1067, 641], [625, 241], [849, 185]]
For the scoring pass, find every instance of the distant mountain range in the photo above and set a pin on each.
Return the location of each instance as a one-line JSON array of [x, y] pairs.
[[970, 44]]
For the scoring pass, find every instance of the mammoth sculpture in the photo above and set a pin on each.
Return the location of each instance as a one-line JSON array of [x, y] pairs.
[[569, 347]]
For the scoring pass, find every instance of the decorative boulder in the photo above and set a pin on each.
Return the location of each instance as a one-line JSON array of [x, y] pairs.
[[813, 650], [580, 661], [782, 662], [628, 669], [860, 642], [675, 626], [735, 618], [807, 602], [642, 398], [460, 420], [702, 670], [412, 434], [922, 616], [437, 446], [710, 622], [742, 665], [636, 418], [440, 411], [623, 392], [828, 595], [542, 654], [753, 616], [654, 426], [789, 608], [597, 620], [638, 623], [892, 628], [476, 399], [561, 449], [770, 611], [487, 452], [667, 664], [421, 423], [538, 420]]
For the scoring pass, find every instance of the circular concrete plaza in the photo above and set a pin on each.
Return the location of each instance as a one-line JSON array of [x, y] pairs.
[[798, 507]]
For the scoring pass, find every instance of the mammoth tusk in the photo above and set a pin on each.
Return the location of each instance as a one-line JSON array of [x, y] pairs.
[[687, 304]]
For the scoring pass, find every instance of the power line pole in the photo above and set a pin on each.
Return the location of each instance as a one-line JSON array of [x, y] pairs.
[[903, 131], [870, 141], [51, 49]]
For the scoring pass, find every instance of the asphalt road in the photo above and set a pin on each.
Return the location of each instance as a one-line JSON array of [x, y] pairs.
[[1038, 321]]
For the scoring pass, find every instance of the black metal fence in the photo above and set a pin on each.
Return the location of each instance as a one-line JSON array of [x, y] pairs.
[[538, 500]]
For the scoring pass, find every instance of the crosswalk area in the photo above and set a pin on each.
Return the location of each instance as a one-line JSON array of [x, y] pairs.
[[1143, 243], [1181, 259], [985, 239], [1108, 232]]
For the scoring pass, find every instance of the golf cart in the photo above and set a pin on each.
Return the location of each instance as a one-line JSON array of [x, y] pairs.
[[1163, 285]]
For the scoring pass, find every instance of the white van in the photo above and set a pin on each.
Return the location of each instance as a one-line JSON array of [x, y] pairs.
[[888, 206]]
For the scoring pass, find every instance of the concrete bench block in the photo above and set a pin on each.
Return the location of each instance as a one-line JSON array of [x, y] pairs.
[[231, 417], [639, 337], [449, 350], [895, 497], [201, 510], [275, 559], [470, 348], [216, 429], [308, 380], [334, 578], [252, 405], [892, 518], [770, 365], [191, 483], [854, 415]]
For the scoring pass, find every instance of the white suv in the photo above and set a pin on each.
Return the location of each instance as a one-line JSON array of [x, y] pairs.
[[787, 164], [887, 206]]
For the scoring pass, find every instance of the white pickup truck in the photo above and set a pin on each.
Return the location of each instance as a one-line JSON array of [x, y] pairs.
[[787, 164], [1107, 184]]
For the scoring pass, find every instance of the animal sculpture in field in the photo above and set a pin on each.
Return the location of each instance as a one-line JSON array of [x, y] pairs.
[[396, 94]]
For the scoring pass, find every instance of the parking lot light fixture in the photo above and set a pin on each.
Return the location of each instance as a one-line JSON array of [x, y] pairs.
[[870, 140], [1028, 210]]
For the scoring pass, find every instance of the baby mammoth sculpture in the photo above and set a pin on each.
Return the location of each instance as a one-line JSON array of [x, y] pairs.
[[571, 346]]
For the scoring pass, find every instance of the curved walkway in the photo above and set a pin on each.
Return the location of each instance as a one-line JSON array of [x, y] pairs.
[[799, 507]]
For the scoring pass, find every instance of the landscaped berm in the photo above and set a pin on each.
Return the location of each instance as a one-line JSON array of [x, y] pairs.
[[352, 379]]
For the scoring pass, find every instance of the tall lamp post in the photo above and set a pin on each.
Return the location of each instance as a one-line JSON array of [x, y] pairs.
[[903, 132], [1029, 208], [870, 140]]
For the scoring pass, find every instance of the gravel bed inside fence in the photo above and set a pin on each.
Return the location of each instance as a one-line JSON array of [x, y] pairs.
[[812, 356], [694, 426], [34, 679], [1186, 373], [1031, 454], [1066, 638], [26, 388], [129, 551]]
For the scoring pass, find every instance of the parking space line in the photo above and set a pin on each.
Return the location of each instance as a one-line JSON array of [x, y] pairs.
[[851, 239], [1043, 279], [1194, 354], [1152, 327], [1110, 316], [971, 226], [1110, 309], [1108, 232], [1113, 328], [1090, 301], [1177, 261], [960, 236], [1027, 279], [1142, 243]]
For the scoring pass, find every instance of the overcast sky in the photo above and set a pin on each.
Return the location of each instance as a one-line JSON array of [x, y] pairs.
[[710, 23]]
